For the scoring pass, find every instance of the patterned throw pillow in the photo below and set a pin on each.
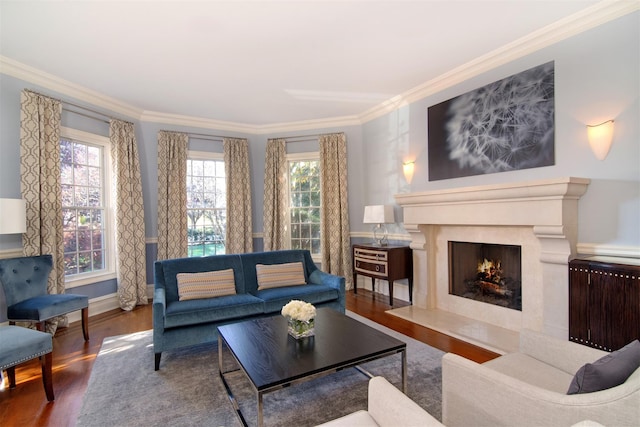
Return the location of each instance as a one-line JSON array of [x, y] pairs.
[[208, 284], [279, 275]]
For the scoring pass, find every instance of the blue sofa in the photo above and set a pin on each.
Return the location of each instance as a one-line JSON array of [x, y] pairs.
[[183, 323]]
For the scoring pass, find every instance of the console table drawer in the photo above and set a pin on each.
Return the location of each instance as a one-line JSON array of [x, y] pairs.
[[368, 254], [372, 267]]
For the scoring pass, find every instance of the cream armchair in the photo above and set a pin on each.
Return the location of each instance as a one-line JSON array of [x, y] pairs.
[[387, 407], [529, 388]]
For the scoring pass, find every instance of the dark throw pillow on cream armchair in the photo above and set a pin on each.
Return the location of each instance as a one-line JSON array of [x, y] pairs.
[[608, 371]]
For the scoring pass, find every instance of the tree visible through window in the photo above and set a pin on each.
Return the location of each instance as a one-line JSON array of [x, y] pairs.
[[206, 207], [83, 206], [304, 205]]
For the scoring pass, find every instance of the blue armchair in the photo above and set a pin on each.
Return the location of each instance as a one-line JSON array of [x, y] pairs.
[[24, 281]]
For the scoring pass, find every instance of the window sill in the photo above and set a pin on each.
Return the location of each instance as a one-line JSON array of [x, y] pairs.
[[88, 279]]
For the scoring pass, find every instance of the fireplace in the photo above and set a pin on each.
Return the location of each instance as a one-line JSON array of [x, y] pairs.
[[541, 217], [485, 272]]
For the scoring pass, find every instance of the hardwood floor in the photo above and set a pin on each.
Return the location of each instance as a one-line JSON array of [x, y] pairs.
[[26, 405]]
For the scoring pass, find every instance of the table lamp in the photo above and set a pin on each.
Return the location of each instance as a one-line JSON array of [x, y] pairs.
[[13, 216], [379, 215]]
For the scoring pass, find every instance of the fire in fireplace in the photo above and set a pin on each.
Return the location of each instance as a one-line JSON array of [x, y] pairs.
[[486, 272]]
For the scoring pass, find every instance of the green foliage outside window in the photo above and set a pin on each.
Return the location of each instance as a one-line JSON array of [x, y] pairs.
[[206, 207], [82, 182], [304, 206]]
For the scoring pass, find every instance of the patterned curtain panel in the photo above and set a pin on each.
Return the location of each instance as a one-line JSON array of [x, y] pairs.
[[275, 202], [130, 236], [172, 194], [40, 182], [336, 248], [239, 223]]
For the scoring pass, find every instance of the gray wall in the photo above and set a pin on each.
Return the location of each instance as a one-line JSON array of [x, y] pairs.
[[596, 78]]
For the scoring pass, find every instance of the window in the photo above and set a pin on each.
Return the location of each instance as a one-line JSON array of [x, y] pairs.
[[84, 173], [304, 202], [206, 204]]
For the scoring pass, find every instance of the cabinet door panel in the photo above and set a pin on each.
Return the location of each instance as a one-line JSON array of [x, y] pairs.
[[579, 301], [622, 309]]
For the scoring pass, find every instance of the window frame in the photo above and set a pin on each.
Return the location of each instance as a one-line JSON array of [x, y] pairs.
[[108, 238], [301, 157], [205, 155]]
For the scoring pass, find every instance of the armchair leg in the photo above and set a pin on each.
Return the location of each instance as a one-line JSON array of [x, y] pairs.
[[11, 374], [85, 323], [158, 355], [47, 380]]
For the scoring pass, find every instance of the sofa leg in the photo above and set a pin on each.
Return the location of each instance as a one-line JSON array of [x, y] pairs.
[[158, 360]]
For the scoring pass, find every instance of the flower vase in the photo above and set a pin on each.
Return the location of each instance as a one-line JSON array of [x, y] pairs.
[[299, 328]]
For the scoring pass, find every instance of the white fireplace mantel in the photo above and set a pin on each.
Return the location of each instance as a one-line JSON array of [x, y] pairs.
[[541, 215]]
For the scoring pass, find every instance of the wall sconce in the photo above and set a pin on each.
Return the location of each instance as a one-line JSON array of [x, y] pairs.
[[379, 215], [13, 216], [407, 169], [600, 138]]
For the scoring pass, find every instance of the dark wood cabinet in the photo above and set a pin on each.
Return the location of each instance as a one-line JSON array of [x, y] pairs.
[[389, 263], [604, 303]]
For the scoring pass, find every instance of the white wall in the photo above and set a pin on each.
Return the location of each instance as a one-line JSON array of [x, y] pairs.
[[596, 78]]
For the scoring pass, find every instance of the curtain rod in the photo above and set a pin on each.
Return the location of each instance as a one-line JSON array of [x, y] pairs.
[[206, 137], [298, 138], [86, 115], [66, 104]]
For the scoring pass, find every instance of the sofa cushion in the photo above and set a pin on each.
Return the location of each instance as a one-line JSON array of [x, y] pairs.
[[359, 418], [279, 275], [608, 371], [276, 298], [193, 312], [208, 284], [531, 371]]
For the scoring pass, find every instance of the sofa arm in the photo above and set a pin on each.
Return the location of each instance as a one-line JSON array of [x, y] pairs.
[[474, 394], [388, 406], [321, 278], [159, 308], [337, 282]]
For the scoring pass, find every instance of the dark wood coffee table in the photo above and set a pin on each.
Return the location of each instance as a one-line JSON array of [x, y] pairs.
[[272, 359]]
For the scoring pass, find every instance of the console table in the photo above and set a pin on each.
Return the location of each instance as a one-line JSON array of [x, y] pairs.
[[389, 263]]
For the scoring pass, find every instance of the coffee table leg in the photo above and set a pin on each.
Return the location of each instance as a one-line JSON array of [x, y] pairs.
[[404, 371], [260, 423], [220, 353]]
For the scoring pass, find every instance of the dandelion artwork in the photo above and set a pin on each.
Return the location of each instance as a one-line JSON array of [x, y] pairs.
[[503, 126]]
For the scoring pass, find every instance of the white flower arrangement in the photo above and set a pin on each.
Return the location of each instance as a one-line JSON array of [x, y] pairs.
[[299, 310]]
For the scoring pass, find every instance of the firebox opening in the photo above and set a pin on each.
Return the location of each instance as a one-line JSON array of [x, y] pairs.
[[486, 272]]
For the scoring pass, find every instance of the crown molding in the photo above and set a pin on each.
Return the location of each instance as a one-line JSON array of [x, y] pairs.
[[176, 119], [32, 75], [586, 19]]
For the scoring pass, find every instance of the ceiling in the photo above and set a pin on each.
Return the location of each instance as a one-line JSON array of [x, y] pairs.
[[263, 62]]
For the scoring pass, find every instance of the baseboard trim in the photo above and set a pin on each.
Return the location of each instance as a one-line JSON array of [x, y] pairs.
[[103, 304]]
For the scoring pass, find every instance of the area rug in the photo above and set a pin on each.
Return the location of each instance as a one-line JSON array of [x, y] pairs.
[[124, 389]]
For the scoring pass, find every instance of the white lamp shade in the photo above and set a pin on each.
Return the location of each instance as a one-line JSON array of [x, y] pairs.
[[379, 214], [13, 216]]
